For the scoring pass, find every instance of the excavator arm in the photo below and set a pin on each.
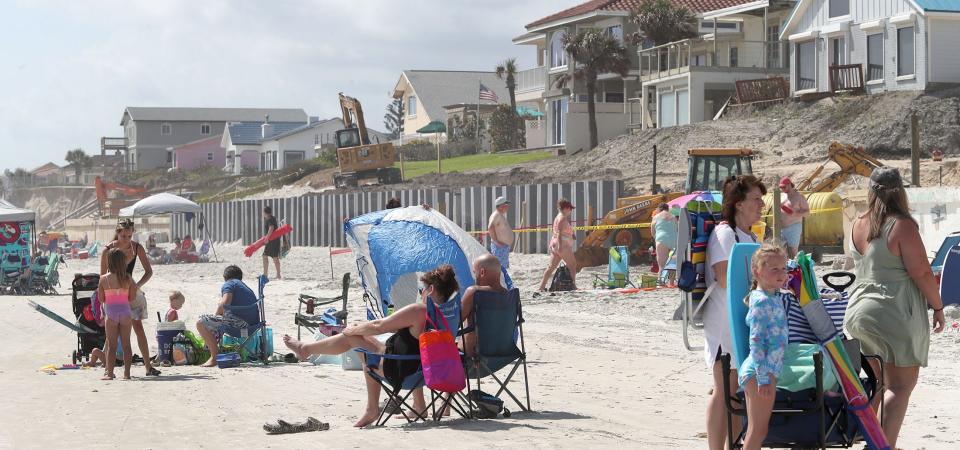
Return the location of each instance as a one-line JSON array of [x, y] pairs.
[[852, 161], [353, 116]]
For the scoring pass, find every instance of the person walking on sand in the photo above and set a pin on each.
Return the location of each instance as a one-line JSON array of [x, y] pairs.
[[894, 287], [794, 209], [561, 245], [500, 232], [123, 241], [272, 248]]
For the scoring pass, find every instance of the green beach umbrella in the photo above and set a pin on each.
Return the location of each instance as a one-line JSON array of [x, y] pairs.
[[435, 127]]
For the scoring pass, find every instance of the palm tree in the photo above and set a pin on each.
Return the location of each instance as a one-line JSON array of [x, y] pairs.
[[593, 52], [507, 71], [662, 22], [79, 160]]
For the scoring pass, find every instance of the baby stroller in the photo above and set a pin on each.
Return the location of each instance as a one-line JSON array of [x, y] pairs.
[[84, 286]]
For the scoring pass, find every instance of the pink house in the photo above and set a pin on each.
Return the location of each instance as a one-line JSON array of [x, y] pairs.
[[199, 153]]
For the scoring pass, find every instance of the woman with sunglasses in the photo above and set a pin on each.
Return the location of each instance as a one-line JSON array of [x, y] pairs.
[[123, 241]]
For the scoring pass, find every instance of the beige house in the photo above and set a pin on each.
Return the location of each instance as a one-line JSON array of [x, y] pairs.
[[425, 93]]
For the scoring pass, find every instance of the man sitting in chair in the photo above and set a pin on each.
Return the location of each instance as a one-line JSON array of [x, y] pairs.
[[234, 292], [486, 272]]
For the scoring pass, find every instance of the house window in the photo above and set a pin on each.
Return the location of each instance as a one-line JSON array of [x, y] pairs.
[[412, 106], [169, 157], [699, 60], [905, 52], [875, 57], [558, 55], [616, 32], [558, 119], [613, 97], [806, 65], [204, 128], [839, 8], [706, 27], [838, 51], [166, 129], [773, 46], [734, 57], [209, 156]]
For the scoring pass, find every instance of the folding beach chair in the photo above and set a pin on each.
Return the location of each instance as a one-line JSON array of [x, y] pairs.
[[952, 240], [326, 323], [497, 320], [618, 270], [697, 221], [252, 330], [396, 398]]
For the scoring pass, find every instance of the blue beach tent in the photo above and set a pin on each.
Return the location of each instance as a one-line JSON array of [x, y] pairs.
[[394, 247]]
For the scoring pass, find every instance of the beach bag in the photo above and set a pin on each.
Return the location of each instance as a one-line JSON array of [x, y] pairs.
[[687, 280], [562, 281], [395, 370], [440, 358], [487, 405]]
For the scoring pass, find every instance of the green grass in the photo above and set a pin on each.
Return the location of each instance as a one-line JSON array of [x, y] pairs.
[[415, 169]]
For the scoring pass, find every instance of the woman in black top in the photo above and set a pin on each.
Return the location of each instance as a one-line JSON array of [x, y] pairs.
[[123, 240], [272, 248]]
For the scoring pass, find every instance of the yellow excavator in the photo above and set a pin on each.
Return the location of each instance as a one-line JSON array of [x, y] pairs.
[[852, 161], [707, 168], [358, 157]]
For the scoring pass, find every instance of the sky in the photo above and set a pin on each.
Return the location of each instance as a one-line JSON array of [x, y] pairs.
[[68, 68]]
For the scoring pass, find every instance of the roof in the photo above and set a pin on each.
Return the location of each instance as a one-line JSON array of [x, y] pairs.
[[939, 5], [250, 133], [436, 88], [214, 114], [11, 213], [45, 167], [305, 127], [621, 6]]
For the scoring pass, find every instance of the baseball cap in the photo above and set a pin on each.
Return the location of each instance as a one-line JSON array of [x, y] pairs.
[[785, 181], [501, 200]]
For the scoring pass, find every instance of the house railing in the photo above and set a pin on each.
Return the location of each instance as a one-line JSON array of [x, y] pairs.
[[693, 54], [531, 79], [848, 77]]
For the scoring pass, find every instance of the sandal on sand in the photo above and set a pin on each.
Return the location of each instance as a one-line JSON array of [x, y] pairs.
[[283, 427], [153, 372], [290, 358]]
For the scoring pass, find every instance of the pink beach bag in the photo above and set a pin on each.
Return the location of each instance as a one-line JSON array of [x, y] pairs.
[[440, 358]]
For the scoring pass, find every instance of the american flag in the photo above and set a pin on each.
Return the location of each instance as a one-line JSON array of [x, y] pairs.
[[487, 94]]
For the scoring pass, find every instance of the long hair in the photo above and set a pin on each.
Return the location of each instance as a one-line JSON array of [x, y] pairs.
[[444, 282], [885, 202], [117, 265], [735, 190]]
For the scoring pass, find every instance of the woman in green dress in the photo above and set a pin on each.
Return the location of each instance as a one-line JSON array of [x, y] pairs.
[[894, 287]]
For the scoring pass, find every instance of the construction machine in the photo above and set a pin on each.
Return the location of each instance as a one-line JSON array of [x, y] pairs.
[[707, 169], [852, 161], [112, 197], [359, 158]]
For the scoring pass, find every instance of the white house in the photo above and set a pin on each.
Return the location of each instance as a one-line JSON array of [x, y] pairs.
[[307, 140], [895, 44]]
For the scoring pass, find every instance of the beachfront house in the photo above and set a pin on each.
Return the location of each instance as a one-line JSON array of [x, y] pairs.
[[425, 93], [873, 45], [243, 141], [200, 153], [307, 141], [691, 80], [150, 132]]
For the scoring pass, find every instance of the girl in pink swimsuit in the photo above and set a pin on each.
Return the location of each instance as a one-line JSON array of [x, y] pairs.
[[118, 290], [561, 245]]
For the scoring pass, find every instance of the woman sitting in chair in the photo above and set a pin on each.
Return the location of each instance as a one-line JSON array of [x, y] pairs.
[[406, 323]]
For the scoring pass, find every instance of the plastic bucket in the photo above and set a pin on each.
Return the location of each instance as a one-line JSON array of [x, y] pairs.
[[166, 331]]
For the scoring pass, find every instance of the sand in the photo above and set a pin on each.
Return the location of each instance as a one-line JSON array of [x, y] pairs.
[[606, 370]]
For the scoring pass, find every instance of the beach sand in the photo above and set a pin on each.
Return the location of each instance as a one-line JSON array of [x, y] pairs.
[[606, 370]]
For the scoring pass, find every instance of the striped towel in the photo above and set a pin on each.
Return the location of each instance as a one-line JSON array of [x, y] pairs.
[[799, 330]]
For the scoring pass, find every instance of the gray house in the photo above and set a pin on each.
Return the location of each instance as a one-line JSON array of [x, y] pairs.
[[150, 132]]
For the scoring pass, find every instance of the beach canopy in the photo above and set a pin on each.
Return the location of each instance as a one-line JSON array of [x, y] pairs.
[[10, 213], [394, 247], [162, 203], [526, 111], [435, 126]]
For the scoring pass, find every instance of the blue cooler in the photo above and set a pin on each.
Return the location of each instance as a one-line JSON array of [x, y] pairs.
[[227, 360], [166, 332]]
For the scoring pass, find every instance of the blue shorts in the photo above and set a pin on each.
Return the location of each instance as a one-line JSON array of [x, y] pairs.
[[791, 234], [502, 254]]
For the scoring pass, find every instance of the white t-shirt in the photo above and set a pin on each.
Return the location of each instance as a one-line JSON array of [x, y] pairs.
[[716, 313]]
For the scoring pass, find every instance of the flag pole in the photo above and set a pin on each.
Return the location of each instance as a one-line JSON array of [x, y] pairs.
[[480, 84]]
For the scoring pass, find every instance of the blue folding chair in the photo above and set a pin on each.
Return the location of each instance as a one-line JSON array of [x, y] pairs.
[[497, 320], [252, 330]]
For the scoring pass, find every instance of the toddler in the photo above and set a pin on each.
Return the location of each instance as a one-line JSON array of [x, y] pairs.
[[767, 319], [176, 302]]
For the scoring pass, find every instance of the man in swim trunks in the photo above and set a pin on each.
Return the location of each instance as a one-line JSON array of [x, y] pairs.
[[500, 232], [794, 209], [234, 292]]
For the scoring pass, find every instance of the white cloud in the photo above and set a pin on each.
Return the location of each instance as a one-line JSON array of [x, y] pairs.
[[76, 65]]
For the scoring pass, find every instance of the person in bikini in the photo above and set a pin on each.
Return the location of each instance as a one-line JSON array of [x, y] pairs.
[[118, 291], [561, 245], [123, 241]]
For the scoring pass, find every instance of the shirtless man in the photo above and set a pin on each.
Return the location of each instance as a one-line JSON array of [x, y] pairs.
[[500, 232], [486, 272], [794, 209]]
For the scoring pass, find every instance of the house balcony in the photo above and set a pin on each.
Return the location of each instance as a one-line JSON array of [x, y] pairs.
[[531, 83], [709, 55]]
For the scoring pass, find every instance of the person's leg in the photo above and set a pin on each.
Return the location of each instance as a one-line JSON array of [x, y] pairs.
[[571, 261], [210, 340], [266, 264], [554, 262], [717, 410], [143, 344], [758, 416], [662, 252], [125, 325], [333, 345], [900, 382], [276, 264], [110, 351], [372, 409]]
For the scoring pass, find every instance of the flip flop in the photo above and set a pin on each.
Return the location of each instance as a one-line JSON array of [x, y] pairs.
[[290, 358], [283, 427], [153, 372]]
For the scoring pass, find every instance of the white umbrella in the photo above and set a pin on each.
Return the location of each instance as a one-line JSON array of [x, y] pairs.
[[162, 203]]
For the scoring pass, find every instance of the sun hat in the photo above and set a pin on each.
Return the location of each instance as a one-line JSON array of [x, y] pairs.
[[501, 200]]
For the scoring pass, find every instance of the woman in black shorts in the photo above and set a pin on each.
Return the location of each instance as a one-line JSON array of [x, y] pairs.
[[272, 249]]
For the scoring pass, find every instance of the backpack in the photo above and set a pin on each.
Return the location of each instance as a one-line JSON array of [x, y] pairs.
[[488, 406], [562, 281], [401, 343]]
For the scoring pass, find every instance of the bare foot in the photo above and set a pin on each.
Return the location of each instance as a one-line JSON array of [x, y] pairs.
[[210, 362], [298, 348], [368, 417], [107, 377]]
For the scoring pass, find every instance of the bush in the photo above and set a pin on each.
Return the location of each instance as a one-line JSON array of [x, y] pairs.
[[506, 129], [428, 151]]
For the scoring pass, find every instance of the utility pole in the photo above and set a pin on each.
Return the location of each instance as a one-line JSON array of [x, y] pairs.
[[654, 188], [915, 150]]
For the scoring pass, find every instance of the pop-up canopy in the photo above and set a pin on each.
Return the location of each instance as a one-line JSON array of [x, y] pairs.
[[162, 203], [10, 213]]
